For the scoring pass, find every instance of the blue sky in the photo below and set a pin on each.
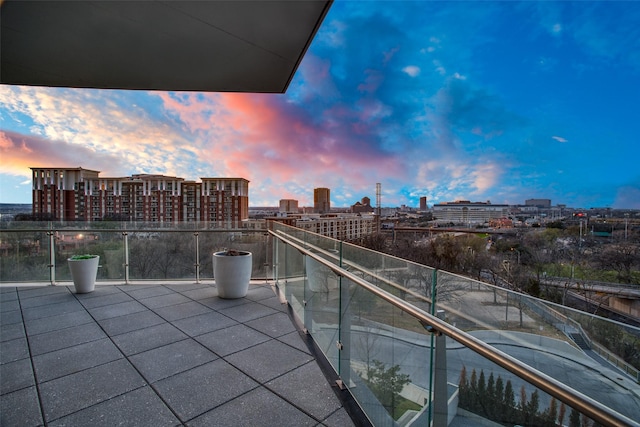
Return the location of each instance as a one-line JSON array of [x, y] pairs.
[[500, 101]]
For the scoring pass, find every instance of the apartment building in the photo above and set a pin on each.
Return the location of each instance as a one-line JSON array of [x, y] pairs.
[[341, 227], [467, 213], [77, 194], [345, 226]]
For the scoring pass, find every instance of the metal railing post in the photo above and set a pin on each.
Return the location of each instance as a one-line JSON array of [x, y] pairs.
[[344, 328], [125, 235], [52, 258], [197, 264]]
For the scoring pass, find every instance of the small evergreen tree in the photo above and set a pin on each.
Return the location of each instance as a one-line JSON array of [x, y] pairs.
[[509, 403], [561, 413], [481, 395], [574, 418], [522, 407], [551, 414], [473, 392], [499, 400], [531, 409], [491, 397]]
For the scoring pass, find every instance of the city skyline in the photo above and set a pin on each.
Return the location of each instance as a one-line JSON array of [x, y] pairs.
[[499, 101]]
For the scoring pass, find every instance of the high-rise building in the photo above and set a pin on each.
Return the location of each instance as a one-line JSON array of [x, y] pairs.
[[423, 203], [541, 203], [288, 205], [321, 200], [77, 194]]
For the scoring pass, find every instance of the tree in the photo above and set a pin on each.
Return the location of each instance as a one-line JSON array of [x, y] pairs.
[[491, 407], [463, 388], [387, 384], [621, 258], [574, 418], [376, 242], [366, 345], [561, 413], [531, 409], [551, 413]]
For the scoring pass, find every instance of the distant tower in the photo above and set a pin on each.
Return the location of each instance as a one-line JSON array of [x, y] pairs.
[[423, 203], [321, 200]]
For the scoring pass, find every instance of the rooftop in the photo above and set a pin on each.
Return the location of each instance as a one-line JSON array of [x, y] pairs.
[[158, 354]]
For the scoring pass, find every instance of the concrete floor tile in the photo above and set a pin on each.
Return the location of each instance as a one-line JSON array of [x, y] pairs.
[[274, 325], [115, 310], [148, 338], [130, 322], [251, 409], [246, 312], [268, 360], [140, 407], [180, 311], [14, 350], [69, 360], [21, 408], [62, 321], [163, 362], [84, 389], [16, 375], [11, 331], [208, 322], [194, 392], [308, 388], [164, 300], [56, 340], [232, 339], [71, 305]]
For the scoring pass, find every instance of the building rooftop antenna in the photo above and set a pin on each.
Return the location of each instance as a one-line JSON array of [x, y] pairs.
[[378, 201]]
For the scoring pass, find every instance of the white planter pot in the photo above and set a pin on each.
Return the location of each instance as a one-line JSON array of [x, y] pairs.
[[84, 273], [232, 273]]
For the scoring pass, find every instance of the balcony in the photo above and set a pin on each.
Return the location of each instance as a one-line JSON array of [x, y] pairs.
[[329, 334]]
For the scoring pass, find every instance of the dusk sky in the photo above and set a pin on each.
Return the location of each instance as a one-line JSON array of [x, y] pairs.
[[500, 101]]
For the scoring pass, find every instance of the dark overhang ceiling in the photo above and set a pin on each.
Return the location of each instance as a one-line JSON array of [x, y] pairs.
[[202, 45]]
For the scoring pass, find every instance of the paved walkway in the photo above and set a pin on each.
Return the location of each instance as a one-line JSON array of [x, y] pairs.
[[157, 355]]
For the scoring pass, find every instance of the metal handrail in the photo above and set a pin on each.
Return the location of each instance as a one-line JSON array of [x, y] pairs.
[[582, 403]]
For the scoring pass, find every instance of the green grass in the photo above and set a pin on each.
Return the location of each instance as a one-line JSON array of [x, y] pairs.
[[404, 405]]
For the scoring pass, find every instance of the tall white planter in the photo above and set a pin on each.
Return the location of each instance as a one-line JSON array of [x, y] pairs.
[[84, 273], [232, 273]]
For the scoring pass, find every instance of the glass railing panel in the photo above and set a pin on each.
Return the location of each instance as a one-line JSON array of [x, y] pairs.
[[389, 355], [322, 311], [545, 336], [24, 255], [292, 279], [617, 343], [407, 280], [160, 255], [530, 330]]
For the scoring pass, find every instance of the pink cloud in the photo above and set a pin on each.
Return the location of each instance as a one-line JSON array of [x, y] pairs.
[[279, 145], [20, 152]]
